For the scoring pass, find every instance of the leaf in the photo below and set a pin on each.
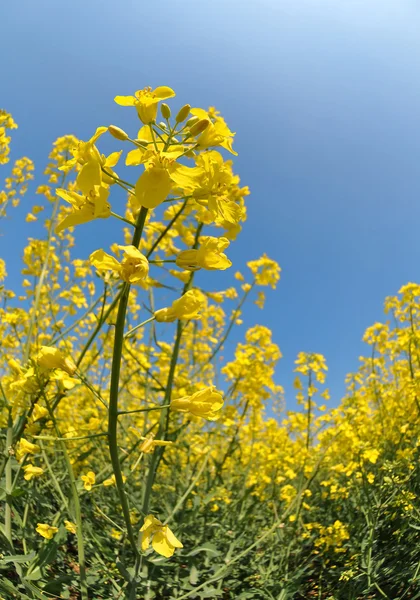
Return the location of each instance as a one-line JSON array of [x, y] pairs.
[[207, 547], [124, 572], [31, 587], [34, 575], [193, 575], [48, 553], [18, 558]]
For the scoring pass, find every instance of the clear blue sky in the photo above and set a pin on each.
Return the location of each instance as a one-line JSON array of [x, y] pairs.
[[325, 98]]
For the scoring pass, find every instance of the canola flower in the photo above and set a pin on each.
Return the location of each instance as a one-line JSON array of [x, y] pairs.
[[133, 268], [112, 418], [47, 531], [89, 480], [204, 403], [186, 307], [160, 536], [209, 256]]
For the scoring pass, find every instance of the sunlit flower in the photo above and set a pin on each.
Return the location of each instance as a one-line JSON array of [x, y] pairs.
[[133, 268], [88, 480], [186, 307], [146, 101], [163, 540], [47, 531], [204, 403]]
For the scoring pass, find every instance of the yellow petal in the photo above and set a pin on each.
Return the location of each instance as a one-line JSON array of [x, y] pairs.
[[89, 177], [125, 100], [149, 521], [185, 177], [112, 159], [134, 157], [153, 187], [71, 197], [103, 261], [171, 538], [145, 541], [163, 92], [83, 215], [99, 131], [161, 546]]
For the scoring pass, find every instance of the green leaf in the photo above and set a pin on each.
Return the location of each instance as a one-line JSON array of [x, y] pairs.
[[207, 547], [18, 558], [193, 575], [34, 575]]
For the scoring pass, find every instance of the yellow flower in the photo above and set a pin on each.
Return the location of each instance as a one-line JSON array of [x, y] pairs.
[[154, 185], [39, 412], [47, 531], [371, 455], [70, 526], [163, 540], [52, 358], [162, 174], [265, 271], [84, 152], [209, 256], [149, 444], [31, 471], [26, 447], [89, 480], [186, 307], [133, 268], [86, 208], [217, 133], [205, 403], [146, 101], [91, 175], [111, 480]]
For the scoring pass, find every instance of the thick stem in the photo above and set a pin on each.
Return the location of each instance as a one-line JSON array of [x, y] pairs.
[[9, 483], [114, 388]]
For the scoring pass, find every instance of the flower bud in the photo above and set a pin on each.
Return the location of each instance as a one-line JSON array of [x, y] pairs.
[[199, 127], [192, 121], [117, 133], [142, 142], [183, 113], [165, 110]]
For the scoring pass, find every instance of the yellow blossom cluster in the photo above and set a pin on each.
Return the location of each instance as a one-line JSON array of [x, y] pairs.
[[117, 410]]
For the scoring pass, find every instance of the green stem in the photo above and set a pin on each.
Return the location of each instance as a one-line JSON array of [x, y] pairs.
[[8, 508], [130, 333], [167, 228], [122, 219], [77, 511], [137, 410], [114, 389], [164, 417], [98, 327]]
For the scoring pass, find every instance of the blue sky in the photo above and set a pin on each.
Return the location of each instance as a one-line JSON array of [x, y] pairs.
[[324, 96]]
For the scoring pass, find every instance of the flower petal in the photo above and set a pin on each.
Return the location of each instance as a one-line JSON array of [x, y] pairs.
[[163, 92], [125, 100]]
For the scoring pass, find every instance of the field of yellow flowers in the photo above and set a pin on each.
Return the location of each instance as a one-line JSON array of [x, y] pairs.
[[134, 462]]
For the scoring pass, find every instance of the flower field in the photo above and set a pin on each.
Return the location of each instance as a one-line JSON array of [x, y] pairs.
[[138, 459]]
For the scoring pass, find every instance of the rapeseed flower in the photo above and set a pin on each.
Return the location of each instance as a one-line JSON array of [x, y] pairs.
[[162, 538]]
